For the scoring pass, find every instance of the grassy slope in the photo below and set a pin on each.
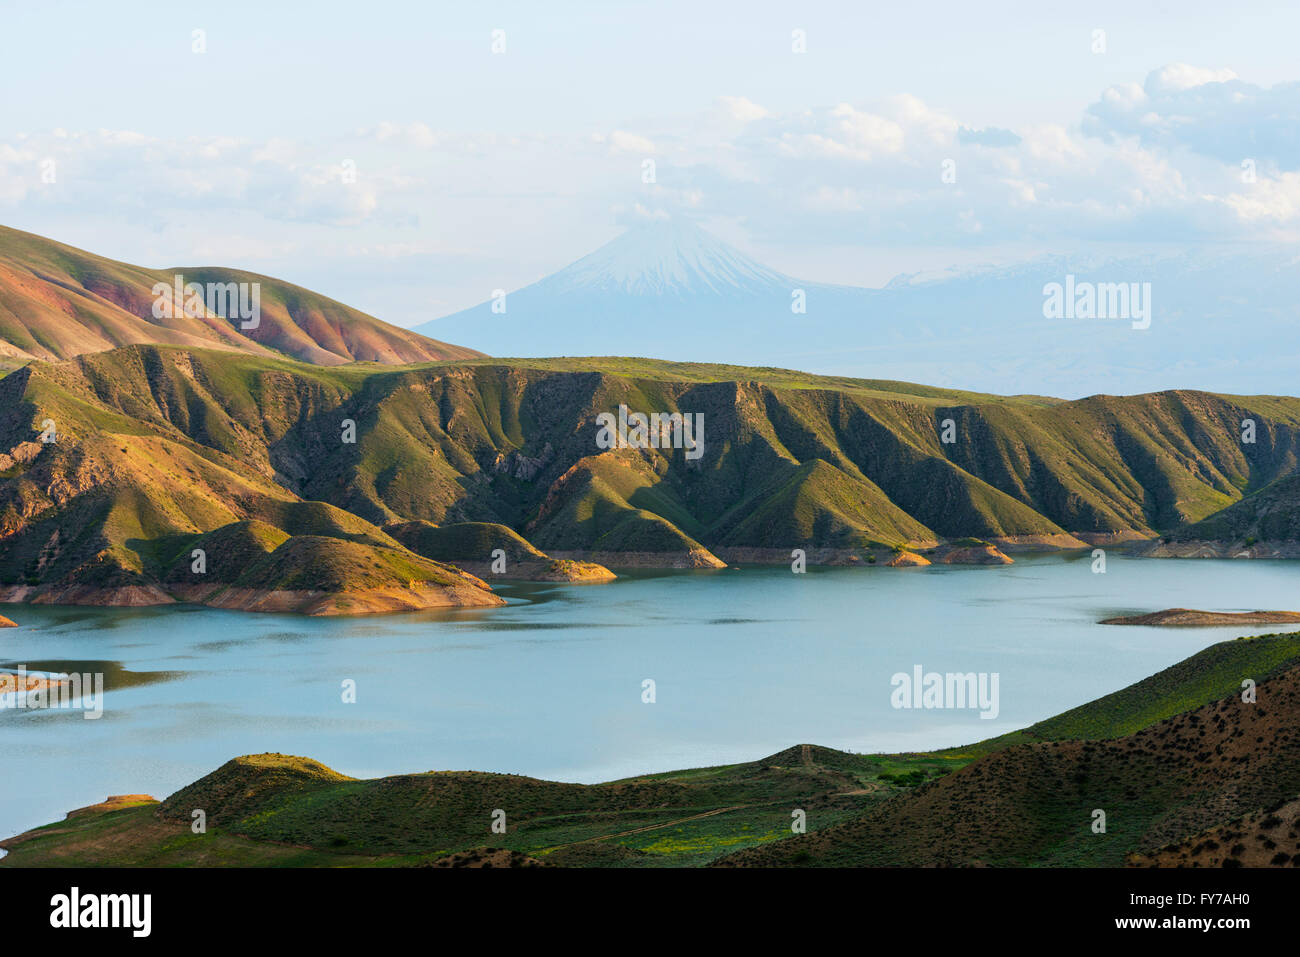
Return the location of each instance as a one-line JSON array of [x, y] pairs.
[[279, 810], [1168, 757], [149, 465], [1206, 676], [1270, 514], [160, 443], [816, 501], [464, 541]]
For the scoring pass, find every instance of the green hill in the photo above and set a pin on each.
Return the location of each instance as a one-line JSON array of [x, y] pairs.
[[156, 445], [817, 502], [464, 541], [1206, 676], [1272, 514]]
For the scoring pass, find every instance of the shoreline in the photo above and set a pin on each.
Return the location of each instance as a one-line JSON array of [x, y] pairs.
[[594, 567]]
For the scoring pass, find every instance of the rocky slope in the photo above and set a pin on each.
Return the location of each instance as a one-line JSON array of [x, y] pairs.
[[1263, 524], [113, 465], [492, 551]]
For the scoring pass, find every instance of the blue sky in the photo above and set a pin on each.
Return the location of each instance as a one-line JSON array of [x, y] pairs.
[[477, 170]]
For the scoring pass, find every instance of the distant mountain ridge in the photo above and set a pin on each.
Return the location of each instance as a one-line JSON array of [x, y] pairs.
[[1223, 319], [664, 289], [57, 302]]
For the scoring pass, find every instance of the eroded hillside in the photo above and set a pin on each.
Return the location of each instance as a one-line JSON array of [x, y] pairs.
[[113, 464]]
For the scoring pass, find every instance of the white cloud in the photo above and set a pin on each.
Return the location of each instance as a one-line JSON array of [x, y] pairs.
[[1178, 77], [1206, 111], [741, 109], [1271, 201], [622, 141], [417, 135], [1159, 160]]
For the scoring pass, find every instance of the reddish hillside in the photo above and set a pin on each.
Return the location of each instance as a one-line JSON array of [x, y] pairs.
[[57, 302]]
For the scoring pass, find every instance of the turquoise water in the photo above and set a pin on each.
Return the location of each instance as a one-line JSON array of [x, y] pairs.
[[745, 663]]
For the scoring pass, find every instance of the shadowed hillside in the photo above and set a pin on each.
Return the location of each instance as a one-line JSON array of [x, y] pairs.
[[1035, 804]]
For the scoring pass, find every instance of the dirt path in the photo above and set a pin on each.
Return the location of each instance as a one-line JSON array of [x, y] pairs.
[[653, 827], [871, 788], [806, 758]]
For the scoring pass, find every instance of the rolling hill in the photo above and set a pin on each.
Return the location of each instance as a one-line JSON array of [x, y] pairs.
[[153, 446], [1174, 761], [477, 546], [57, 302], [1034, 804], [1271, 514]]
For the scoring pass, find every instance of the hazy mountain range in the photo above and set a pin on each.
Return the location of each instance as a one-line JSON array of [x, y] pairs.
[[1221, 319]]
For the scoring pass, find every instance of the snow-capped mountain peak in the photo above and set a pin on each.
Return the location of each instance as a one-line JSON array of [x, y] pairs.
[[666, 257]]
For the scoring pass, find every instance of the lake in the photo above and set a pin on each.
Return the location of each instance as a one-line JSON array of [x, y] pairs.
[[746, 662]]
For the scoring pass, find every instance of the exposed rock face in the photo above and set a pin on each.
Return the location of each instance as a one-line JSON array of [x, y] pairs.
[[694, 558], [20, 454], [785, 556], [547, 570], [1063, 540], [521, 466], [813, 555], [6, 623], [374, 601], [9, 683], [1103, 539], [973, 554], [114, 802], [1186, 617], [907, 559], [564, 570], [1211, 549], [127, 596]]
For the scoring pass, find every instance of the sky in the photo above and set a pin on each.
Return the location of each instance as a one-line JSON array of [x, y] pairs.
[[409, 158]]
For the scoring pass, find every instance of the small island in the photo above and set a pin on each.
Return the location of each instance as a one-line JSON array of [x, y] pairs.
[[1191, 617]]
